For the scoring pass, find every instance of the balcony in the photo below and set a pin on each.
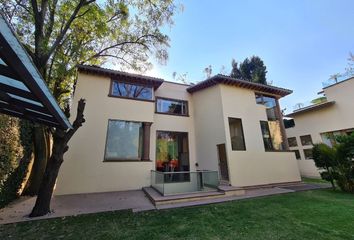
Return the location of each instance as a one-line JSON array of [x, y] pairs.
[[172, 183]]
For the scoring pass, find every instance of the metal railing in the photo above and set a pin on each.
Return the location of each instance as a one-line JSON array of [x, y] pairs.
[[337, 79], [170, 183]]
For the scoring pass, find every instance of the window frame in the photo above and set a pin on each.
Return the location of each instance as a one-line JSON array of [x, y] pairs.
[[172, 99], [296, 145], [270, 137], [297, 151], [243, 135], [125, 159], [301, 140], [110, 94], [304, 151]]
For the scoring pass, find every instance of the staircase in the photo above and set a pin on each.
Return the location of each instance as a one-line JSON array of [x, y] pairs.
[[221, 192]]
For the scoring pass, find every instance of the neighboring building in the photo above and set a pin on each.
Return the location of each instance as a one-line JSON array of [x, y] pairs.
[[321, 122], [143, 131]]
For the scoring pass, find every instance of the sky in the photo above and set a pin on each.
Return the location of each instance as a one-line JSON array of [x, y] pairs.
[[301, 42]]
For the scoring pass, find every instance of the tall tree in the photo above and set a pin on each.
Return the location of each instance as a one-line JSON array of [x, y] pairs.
[[251, 69], [59, 34]]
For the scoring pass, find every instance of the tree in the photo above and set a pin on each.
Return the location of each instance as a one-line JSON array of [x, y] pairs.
[[208, 71], [251, 69], [59, 34]]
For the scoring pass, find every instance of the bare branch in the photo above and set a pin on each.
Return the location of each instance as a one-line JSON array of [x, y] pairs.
[[78, 121]]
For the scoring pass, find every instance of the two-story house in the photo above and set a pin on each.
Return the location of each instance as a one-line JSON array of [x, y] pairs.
[[143, 131]]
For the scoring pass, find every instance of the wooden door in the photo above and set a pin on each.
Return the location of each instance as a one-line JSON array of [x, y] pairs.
[[223, 167]]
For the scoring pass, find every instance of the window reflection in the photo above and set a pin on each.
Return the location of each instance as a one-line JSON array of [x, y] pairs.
[[127, 90], [271, 129]]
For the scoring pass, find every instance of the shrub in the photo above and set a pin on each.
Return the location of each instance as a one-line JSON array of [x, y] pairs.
[[12, 183], [337, 162]]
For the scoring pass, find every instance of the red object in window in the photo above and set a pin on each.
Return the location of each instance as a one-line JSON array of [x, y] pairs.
[[159, 164], [173, 163]]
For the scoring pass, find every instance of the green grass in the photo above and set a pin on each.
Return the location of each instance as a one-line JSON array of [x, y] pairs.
[[313, 180], [321, 214]]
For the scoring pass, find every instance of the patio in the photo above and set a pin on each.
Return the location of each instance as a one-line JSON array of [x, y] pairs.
[[136, 201]]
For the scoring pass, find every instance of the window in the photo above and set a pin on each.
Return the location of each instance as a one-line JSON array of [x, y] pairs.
[[306, 140], [127, 90], [270, 103], [267, 140], [297, 154], [308, 153], [172, 155], [236, 134], [292, 142], [125, 141], [171, 106], [271, 129]]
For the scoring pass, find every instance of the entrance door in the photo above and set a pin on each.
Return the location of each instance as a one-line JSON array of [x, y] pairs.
[[223, 168]]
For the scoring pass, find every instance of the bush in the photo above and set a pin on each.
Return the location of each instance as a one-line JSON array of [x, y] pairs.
[[16, 147], [10, 148], [337, 162]]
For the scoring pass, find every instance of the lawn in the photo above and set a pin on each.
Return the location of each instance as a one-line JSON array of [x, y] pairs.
[[321, 214]]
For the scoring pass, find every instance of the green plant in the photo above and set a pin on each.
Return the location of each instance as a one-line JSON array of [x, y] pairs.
[[10, 187], [337, 162]]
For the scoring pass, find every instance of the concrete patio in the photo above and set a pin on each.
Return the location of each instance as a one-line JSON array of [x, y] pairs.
[[136, 201]]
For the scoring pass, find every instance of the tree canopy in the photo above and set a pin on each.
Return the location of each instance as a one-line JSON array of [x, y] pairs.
[[59, 34], [251, 69]]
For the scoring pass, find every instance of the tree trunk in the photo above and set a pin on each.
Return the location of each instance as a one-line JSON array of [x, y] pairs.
[[60, 146], [42, 205], [41, 154]]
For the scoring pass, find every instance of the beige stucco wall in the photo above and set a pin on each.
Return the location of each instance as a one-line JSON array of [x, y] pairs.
[[83, 170], [209, 126], [254, 166], [336, 117]]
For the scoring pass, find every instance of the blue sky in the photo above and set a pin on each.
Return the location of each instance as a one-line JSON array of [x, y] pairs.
[[302, 42]]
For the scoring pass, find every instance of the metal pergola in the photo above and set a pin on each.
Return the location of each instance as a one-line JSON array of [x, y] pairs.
[[23, 92]]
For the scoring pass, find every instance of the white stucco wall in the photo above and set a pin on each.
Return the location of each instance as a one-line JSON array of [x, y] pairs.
[[209, 126], [254, 166], [332, 118]]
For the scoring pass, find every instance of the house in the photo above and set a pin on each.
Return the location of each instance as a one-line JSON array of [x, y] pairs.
[[144, 131], [321, 122]]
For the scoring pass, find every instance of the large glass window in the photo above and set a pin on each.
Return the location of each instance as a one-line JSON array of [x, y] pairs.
[[171, 106], [306, 140], [267, 139], [172, 152], [271, 129], [127, 90], [236, 134], [124, 140]]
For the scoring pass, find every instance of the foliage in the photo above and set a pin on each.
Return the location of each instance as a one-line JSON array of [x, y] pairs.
[[319, 100], [11, 187], [10, 148], [337, 162], [319, 214], [59, 34], [251, 69]]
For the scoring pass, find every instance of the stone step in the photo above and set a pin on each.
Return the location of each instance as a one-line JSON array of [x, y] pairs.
[[157, 199]]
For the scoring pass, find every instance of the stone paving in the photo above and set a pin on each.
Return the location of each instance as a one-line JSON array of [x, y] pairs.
[[136, 201]]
